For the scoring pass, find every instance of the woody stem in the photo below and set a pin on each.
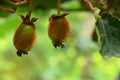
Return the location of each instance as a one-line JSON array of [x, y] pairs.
[[90, 4], [8, 10]]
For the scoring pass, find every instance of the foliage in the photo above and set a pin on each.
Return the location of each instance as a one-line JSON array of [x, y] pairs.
[[108, 27]]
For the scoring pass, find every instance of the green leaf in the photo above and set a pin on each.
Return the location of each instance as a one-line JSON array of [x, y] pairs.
[[108, 28]]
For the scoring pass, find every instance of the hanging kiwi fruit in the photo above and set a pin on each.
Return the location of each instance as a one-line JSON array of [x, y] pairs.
[[58, 28], [25, 34]]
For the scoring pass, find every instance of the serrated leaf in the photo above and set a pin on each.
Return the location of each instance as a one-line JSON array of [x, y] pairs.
[[109, 34]]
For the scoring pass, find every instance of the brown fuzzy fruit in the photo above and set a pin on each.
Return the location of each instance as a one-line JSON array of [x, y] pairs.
[[25, 35], [58, 29]]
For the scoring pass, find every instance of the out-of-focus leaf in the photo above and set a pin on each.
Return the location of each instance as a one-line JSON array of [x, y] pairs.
[[71, 5], [109, 31]]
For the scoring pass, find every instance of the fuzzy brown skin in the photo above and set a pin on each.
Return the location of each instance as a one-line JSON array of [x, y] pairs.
[[25, 36], [58, 29]]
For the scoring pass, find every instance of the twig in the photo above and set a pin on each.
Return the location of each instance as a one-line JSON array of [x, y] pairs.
[[90, 4], [8, 10], [17, 3]]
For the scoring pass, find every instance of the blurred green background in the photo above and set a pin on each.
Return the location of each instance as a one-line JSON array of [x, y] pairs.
[[79, 60]]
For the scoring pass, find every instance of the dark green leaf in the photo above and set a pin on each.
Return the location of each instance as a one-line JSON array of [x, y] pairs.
[[109, 31]]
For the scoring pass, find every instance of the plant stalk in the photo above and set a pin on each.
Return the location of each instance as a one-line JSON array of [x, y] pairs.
[[29, 7], [58, 7]]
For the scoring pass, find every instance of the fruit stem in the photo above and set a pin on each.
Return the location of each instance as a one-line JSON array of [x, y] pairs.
[[58, 7], [29, 7]]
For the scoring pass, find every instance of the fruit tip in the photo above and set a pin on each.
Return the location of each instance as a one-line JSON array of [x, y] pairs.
[[58, 44], [19, 53]]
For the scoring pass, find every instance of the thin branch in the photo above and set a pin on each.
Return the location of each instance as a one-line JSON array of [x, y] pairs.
[[8, 10], [17, 3], [90, 4]]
